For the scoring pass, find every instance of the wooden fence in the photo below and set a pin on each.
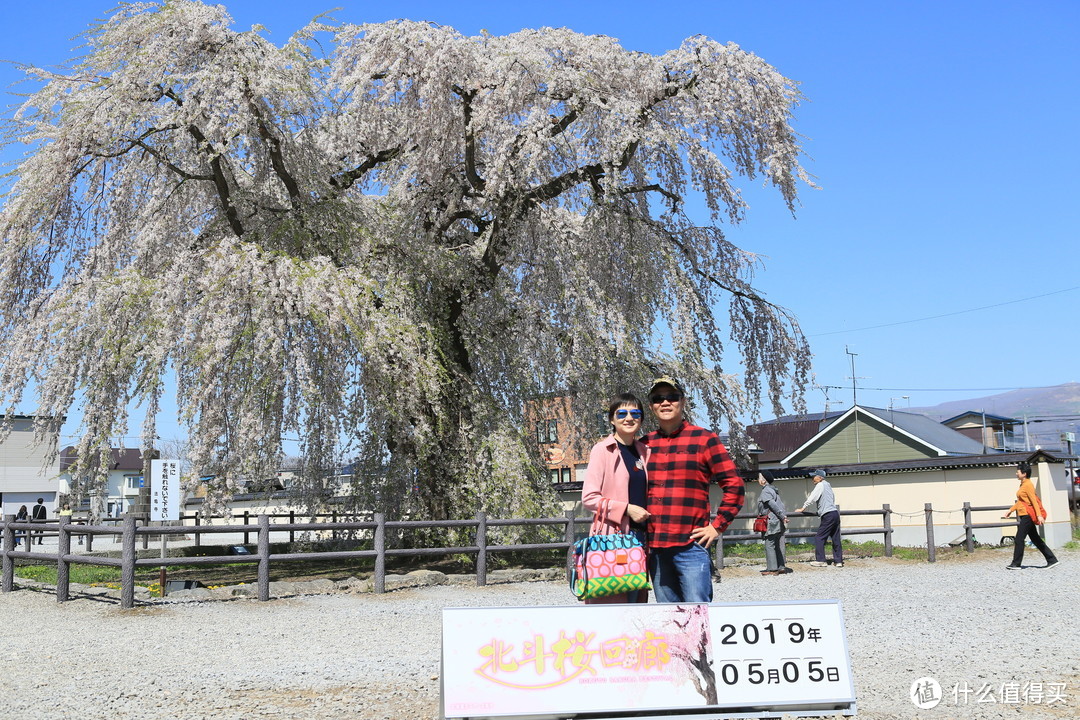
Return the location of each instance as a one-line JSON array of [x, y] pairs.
[[132, 534]]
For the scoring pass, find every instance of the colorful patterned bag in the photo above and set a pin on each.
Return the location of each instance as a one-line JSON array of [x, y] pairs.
[[607, 562]]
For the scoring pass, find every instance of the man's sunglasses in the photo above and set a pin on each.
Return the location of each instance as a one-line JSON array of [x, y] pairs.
[[670, 397], [621, 414]]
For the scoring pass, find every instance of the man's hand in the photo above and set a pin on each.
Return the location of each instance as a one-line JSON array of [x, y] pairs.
[[705, 535]]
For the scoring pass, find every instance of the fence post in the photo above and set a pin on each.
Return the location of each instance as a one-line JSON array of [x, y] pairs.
[[127, 560], [146, 537], [570, 535], [720, 552], [481, 542], [198, 535], [380, 553], [969, 536], [7, 583], [886, 511], [90, 536], [63, 568], [247, 519], [292, 533], [264, 558], [931, 548]]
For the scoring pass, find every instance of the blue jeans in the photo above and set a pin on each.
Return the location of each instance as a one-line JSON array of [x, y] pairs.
[[681, 574]]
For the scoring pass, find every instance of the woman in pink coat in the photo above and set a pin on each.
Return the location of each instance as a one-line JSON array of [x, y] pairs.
[[617, 474]]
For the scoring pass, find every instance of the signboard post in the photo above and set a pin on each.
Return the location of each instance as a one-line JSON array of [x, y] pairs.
[[612, 661], [164, 490], [164, 501]]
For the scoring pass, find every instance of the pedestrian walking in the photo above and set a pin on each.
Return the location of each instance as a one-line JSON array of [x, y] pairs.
[[772, 506], [1030, 513], [829, 528], [23, 516], [39, 515]]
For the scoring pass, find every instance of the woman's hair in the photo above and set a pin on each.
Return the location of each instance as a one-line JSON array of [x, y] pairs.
[[769, 477], [1024, 468], [622, 400]]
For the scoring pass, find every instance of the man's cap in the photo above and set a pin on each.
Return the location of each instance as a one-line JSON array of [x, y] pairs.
[[817, 473], [666, 380]]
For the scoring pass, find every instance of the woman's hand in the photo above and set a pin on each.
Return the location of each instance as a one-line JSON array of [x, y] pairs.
[[637, 513]]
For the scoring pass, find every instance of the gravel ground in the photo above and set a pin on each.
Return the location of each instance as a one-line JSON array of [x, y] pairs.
[[358, 655]]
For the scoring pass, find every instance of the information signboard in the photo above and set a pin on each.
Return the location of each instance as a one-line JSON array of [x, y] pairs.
[[164, 490], [612, 660]]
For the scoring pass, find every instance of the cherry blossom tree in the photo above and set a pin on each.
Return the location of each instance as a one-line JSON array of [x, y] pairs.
[[385, 239]]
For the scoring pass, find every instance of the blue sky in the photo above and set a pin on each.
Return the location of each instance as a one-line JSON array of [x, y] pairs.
[[942, 135]]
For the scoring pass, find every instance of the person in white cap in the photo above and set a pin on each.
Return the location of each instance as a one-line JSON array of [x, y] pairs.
[[829, 528]]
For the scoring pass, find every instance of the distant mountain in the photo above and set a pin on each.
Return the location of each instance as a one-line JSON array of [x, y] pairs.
[[1050, 411]]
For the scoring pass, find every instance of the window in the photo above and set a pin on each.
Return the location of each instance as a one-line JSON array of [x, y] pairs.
[[560, 475], [547, 431], [133, 482], [579, 471]]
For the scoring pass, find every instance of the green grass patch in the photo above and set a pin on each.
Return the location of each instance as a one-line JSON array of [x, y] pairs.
[[83, 574]]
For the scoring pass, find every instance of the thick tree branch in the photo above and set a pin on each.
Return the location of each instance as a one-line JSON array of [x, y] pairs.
[[139, 142], [478, 183], [277, 158], [676, 200], [221, 182], [475, 218], [345, 180]]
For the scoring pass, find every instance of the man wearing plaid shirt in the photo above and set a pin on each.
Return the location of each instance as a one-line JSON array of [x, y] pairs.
[[683, 460]]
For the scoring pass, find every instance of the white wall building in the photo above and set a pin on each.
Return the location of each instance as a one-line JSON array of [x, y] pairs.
[[24, 476], [125, 478]]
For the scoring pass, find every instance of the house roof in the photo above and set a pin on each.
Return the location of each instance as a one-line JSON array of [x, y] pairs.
[[979, 414], [997, 459], [947, 462], [119, 459], [937, 438], [778, 437]]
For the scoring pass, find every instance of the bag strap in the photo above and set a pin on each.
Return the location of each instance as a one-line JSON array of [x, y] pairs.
[[600, 519], [581, 548]]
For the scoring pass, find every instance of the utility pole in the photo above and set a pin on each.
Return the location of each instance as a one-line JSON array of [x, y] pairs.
[[855, 405], [854, 396], [984, 431]]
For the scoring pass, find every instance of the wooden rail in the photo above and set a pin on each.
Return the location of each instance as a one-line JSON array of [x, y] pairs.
[[132, 534]]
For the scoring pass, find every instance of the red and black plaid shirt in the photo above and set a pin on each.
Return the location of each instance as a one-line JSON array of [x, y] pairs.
[[681, 466]]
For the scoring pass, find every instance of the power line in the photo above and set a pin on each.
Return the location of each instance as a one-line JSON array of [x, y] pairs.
[[950, 314], [998, 389]]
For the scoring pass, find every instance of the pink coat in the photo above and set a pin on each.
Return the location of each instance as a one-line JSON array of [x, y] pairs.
[[608, 478]]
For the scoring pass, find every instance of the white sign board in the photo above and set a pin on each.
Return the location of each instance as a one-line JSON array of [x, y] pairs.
[[164, 490], [612, 659]]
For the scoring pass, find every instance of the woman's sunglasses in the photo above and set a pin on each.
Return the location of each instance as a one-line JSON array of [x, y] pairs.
[[621, 414]]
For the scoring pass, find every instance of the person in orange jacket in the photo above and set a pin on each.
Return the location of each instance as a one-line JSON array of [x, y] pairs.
[[1029, 514]]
